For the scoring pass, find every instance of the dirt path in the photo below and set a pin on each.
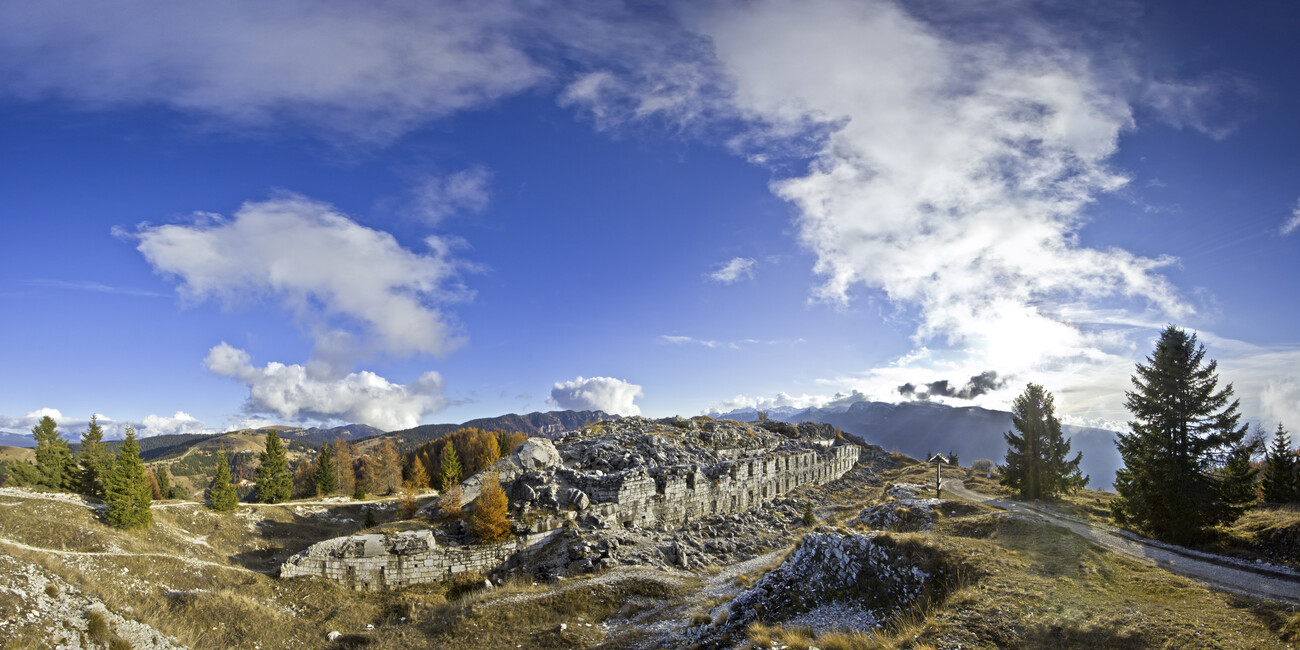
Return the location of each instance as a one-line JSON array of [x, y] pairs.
[[1215, 570], [179, 558]]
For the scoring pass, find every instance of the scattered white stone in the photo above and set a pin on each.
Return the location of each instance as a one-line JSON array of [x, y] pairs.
[[334, 635]]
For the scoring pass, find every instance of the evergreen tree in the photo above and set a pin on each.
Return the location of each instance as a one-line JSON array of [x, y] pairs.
[[1183, 432], [488, 521], [22, 473], [450, 467], [1037, 462], [1238, 478], [94, 459], [358, 492], [165, 486], [274, 483], [126, 489], [1282, 472], [952, 459], [808, 517], [54, 459], [327, 477], [222, 496]]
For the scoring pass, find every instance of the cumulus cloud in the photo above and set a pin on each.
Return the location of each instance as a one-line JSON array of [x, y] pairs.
[[952, 164], [371, 70], [438, 197], [295, 392], [734, 270], [178, 422], [597, 393], [71, 428], [1294, 222], [317, 261]]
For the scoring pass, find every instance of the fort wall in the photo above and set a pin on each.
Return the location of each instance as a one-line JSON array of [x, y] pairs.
[[638, 497]]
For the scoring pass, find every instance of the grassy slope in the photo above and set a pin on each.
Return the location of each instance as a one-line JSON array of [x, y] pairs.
[[17, 454], [1024, 584]]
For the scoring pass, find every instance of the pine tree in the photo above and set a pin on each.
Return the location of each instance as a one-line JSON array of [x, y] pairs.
[[126, 489], [222, 496], [450, 474], [808, 517], [1183, 431], [274, 483], [327, 477], [94, 459], [1281, 482], [488, 520], [54, 459], [1037, 463]]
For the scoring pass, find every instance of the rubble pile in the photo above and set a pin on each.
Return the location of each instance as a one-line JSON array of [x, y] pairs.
[[862, 578]]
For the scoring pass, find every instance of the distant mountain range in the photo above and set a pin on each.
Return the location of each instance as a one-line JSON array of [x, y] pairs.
[[546, 425], [16, 440], [918, 428]]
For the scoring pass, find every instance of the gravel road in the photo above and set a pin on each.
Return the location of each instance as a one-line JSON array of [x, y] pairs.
[[1272, 582]]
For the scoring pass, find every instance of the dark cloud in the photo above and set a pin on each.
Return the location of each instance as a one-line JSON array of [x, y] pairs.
[[978, 385]]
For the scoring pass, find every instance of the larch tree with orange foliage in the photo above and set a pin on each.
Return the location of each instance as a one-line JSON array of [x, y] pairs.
[[488, 521]]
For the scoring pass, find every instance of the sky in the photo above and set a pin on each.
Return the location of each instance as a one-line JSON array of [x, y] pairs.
[[229, 214]]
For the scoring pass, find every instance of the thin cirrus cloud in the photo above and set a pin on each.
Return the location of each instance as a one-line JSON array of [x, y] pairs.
[[734, 270], [296, 392], [371, 71], [606, 394], [319, 263], [1294, 222]]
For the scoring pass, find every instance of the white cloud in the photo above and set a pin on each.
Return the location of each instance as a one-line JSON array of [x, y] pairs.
[[329, 269], [1294, 222], [179, 422], [734, 270], [296, 393], [597, 393], [438, 197], [371, 70]]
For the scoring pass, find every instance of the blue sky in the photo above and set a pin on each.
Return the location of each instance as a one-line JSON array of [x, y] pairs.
[[428, 212]]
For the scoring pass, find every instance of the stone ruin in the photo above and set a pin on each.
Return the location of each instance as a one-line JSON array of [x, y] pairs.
[[629, 473]]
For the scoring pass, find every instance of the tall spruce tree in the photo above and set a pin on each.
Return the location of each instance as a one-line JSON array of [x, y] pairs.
[[222, 496], [165, 487], [327, 477], [1037, 462], [54, 461], [1281, 482], [274, 482], [95, 458], [1183, 432], [126, 490]]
